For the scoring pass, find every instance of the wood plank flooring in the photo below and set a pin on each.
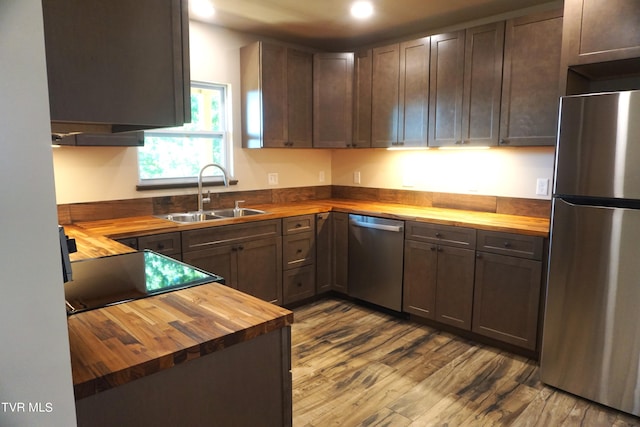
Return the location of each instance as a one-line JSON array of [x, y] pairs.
[[353, 366]]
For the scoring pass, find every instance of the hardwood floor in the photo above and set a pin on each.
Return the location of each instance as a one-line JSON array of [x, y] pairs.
[[353, 366]]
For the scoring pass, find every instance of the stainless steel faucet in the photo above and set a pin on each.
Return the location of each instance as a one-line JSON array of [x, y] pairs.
[[225, 179]]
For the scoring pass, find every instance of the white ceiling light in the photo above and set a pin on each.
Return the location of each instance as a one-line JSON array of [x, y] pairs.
[[362, 9], [202, 8]]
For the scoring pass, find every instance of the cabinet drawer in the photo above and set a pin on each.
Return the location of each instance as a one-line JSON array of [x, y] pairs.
[[442, 234], [132, 242], [298, 283], [298, 224], [517, 245], [166, 243], [298, 250], [203, 238]]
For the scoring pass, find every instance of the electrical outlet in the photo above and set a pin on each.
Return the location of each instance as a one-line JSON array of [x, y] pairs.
[[321, 176], [542, 186], [356, 177], [273, 178]]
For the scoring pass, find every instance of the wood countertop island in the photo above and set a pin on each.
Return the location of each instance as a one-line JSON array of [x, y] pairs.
[[158, 346]]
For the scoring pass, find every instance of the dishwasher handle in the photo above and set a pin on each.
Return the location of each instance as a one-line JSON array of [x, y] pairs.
[[384, 227]]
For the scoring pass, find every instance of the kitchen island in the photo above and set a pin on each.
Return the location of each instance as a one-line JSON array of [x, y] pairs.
[[198, 356]]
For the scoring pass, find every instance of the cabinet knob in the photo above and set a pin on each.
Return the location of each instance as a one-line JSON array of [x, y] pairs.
[[440, 249], [299, 284], [433, 248], [299, 251], [241, 248], [160, 246], [438, 235], [478, 255], [503, 142], [458, 142], [507, 244]]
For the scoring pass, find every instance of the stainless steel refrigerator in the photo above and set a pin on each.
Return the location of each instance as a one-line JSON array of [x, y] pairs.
[[591, 339]]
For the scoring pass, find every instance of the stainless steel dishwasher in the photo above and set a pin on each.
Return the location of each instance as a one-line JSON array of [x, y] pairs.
[[376, 252]]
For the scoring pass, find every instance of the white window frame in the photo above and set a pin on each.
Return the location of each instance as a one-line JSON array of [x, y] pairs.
[[211, 175]]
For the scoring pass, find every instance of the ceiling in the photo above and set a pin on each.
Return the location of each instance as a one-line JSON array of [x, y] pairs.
[[327, 24]]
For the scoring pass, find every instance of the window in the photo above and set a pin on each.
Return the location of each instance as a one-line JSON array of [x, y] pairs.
[[174, 156]]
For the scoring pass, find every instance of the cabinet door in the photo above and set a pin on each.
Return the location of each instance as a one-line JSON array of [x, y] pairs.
[[272, 81], [445, 89], [332, 100], [299, 98], [506, 299], [419, 283], [601, 30], [363, 73], [482, 85], [341, 251], [384, 96], [531, 80], [324, 252], [221, 260], [260, 269], [454, 289], [413, 112], [123, 64]]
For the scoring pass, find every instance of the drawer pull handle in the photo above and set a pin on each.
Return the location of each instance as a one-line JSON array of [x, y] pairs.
[[299, 251]]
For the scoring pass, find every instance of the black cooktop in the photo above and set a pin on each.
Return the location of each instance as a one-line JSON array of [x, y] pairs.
[[109, 280]]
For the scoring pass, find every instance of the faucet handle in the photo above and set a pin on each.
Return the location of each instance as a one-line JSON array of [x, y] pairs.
[[237, 206], [208, 198]]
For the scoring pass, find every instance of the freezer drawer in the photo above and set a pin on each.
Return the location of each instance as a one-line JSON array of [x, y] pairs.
[[591, 339]]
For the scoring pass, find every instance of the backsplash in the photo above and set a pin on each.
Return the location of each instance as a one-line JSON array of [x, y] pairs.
[[93, 211]]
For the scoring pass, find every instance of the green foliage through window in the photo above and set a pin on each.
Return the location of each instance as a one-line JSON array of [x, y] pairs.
[[177, 154]]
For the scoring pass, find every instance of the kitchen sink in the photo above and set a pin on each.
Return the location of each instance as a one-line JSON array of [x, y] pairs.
[[232, 213], [211, 215]]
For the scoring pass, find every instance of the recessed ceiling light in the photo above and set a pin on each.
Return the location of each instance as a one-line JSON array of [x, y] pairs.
[[202, 8], [361, 9]]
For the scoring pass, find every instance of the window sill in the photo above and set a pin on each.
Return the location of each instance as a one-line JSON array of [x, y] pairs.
[[165, 186]]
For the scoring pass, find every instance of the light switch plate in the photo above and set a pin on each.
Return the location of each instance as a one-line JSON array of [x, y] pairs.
[[356, 177], [273, 178]]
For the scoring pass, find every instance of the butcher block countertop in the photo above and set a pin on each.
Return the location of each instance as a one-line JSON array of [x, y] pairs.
[[137, 226], [114, 345]]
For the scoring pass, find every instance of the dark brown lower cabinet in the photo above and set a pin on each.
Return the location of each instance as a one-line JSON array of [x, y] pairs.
[[340, 224], [324, 252], [506, 298], [438, 283], [242, 254]]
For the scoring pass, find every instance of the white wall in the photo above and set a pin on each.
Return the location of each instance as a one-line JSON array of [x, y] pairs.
[[34, 361], [507, 172]]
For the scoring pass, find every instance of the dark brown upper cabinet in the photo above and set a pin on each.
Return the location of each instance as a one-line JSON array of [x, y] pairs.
[[400, 96], [363, 64], [601, 30], [413, 111], [385, 89], [116, 66], [333, 100], [276, 90], [531, 80], [466, 81]]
